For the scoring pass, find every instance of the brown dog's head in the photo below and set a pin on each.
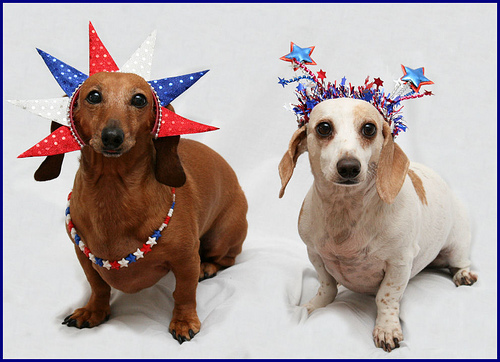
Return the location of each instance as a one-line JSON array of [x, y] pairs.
[[348, 141], [114, 112]]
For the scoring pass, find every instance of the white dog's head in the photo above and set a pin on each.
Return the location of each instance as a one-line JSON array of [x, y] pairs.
[[348, 143]]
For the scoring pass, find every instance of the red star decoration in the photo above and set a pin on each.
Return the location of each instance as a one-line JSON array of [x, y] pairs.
[[428, 93], [321, 74], [115, 265], [378, 82]]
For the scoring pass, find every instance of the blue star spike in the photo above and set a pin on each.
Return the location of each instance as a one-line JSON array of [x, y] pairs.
[[415, 77], [299, 55], [68, 77], [170, 88]]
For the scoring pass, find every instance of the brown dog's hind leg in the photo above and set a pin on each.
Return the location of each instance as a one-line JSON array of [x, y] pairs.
[[223, 242], [97, 309]]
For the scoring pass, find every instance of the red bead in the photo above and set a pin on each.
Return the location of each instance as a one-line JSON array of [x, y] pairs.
[[70, 226], [86, 251], [115, 265], [146, 248], [69, 196], [167, 219]]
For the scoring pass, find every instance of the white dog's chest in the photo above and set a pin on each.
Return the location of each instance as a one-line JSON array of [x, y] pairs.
[[359, 272]]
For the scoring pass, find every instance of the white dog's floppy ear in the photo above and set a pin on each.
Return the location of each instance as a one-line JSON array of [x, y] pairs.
[[392, 168], [289, 160]]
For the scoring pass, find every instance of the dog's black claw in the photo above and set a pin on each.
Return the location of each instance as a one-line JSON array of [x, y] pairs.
[[396, 342], [66, 320], [107, 318], [181, 339], [191, 334], [86, 324], [71, 323], [173, 334], [205, 275]]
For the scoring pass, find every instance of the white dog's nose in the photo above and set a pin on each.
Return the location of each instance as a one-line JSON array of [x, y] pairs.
[[349, 168]]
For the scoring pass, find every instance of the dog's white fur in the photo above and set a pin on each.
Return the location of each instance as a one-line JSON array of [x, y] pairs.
[[374, 235]]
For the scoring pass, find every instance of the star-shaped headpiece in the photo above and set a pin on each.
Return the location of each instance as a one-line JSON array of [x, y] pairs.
[[316, 89], [66, 139]]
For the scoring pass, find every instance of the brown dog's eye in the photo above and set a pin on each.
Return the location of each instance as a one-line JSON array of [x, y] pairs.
[[369, 130], [94, 97], [139, 100], [324, 129]]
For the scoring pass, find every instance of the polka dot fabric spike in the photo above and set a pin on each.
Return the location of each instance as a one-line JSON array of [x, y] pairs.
[[170, 88], [68, 77], [59, 141], [99, 58]]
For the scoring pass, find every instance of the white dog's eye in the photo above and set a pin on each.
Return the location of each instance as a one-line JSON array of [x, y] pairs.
[[369, 130], [324, 129]]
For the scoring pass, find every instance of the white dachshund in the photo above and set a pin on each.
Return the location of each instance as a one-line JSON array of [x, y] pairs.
[[371, 220]]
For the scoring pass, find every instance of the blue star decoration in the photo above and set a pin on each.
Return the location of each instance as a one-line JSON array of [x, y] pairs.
[[415, 77], [299, 55]]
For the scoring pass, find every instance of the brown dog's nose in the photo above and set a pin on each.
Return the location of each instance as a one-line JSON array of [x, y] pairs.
[[112, 138], [349, 168]]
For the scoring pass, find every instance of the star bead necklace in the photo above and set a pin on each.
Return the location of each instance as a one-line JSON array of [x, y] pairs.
[[130, 258]]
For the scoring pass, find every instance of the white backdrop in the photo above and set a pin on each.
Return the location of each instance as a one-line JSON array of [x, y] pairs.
[[251, 309]]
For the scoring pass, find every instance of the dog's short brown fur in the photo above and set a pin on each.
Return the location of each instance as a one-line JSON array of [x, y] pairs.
[[121, 196]]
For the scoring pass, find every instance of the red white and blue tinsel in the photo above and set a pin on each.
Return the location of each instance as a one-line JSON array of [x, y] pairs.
[[165, 90], [130, 258], [313, 88]]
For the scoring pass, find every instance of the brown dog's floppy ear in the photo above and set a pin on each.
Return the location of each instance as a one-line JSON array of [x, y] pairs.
[[168, 167], [295, 148], [392, 168], [51, 166]]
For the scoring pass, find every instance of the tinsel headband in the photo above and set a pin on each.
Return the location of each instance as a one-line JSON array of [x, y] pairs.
[[313, 88], [65, 138]]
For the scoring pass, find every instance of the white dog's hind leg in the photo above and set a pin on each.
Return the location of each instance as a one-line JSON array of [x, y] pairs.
[[327, 290], [458, 250]]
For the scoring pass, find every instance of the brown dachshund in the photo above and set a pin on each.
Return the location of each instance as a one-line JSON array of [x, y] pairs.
[[123, 192]]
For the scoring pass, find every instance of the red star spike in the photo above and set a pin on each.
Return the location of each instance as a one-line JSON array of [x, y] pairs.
[[59, 141], [99, 58], [321, 74], [171, 124], [378, 82]]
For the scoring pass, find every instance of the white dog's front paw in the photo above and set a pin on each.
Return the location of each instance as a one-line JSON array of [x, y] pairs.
[[388, 336]]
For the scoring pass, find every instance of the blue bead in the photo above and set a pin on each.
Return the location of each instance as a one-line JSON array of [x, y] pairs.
[[77, 239], [156, 234], [67, 211], [131, 258], [98, 261]]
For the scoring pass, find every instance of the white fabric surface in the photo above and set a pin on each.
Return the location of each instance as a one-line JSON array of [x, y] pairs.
[[251, 310]]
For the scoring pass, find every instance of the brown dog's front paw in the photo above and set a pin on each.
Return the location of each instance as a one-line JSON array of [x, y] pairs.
[[387, 338], [183, 330], [84, 318]]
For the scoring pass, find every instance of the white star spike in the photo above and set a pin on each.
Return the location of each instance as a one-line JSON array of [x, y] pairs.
[[140, 62], [55, 109]]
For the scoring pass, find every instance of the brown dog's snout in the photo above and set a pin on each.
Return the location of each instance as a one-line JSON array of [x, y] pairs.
[[112, 138], [349, 168]]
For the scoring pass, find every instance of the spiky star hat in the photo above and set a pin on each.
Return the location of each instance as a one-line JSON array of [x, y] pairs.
[[66, 138], [314, 89]]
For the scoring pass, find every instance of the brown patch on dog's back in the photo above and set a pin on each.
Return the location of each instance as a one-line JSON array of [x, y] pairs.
[[418, 185]]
